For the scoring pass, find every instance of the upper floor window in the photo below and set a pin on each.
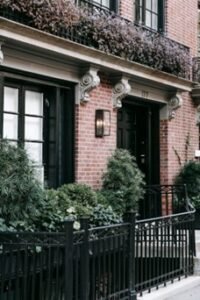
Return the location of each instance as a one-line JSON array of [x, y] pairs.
[[105, 4], [150, 13]]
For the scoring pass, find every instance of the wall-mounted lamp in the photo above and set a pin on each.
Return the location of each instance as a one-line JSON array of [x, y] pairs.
[[102, 123]]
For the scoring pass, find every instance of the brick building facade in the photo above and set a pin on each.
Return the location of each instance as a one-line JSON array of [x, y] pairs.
[[60, 84]]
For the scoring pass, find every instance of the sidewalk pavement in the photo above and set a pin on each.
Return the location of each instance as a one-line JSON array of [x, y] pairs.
[[185, 289]]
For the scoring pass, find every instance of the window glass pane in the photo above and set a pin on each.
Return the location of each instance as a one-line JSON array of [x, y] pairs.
[[155, 22], [106, 3], [33, 103], [155, 6], [10, 126], [140, 16], [11, 99], [33, 128], [103, 2], [148, 19], [148, 4], [34, 151]]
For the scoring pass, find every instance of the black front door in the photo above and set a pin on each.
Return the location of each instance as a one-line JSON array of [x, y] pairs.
[[138, 132]]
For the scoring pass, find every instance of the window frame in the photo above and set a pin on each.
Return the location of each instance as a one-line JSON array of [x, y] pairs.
[[140, 18], [113, 4], [23, 83]]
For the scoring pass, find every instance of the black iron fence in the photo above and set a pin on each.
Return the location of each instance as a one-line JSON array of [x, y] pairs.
[[163, 199], [111, 262]]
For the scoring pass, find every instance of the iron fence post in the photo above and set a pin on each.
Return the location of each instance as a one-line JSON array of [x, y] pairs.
[[84, 261], [68, 277], [131, 218]]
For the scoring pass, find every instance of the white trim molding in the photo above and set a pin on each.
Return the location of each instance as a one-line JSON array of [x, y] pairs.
[[120, 90]]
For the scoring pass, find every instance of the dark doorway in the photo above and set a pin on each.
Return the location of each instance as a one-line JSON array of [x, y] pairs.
[[138, 131]]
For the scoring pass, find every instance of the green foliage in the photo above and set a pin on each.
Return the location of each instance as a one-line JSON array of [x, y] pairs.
[[123, 183], [108, 33], [104, 215], [47, 15], [79, 193], [20, 192], [190, 175]]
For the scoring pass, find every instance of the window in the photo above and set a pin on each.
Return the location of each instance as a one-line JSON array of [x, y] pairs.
[[150, 13], [105, 4], [41, 119]]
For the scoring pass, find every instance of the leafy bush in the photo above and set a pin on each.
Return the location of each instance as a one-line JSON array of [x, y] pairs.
[[116, 36], [20, 192], [47, 15], [190, 175], [110, 34], [123, 182], [104, 215], [79, 193]]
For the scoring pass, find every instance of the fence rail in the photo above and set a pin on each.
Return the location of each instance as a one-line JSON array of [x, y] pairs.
[[111, 262]]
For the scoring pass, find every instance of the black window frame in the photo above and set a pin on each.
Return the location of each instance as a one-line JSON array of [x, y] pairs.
[[140, 14], [64, 157]]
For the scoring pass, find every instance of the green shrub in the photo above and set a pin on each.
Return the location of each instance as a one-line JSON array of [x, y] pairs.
[[123, 183], [104, 215], [20, 192], [190, 175], [79, 193]]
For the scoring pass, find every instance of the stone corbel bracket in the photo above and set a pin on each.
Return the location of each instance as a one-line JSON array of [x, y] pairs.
[[175, 102], [89, 81], [198, 115], [120, 90]]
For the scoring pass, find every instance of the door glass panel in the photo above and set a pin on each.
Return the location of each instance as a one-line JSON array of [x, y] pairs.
[[11, 99], [34, 151], [33, 128], [33, 103], [10, 126]]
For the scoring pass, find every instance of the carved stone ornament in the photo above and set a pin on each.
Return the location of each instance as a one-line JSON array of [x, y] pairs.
[[198, 115], [89, 81], [1, 54], [175, 102], [121, 89]]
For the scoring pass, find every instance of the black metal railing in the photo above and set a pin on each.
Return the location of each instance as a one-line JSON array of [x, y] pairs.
[[163, 199], [75, 32], [94, 8], [165, 248], [196, 69], [110, 262]]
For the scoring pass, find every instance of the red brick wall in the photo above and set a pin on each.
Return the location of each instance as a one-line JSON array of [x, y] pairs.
[[181, 19], [180, 25], [126, 9], [91, 153]]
